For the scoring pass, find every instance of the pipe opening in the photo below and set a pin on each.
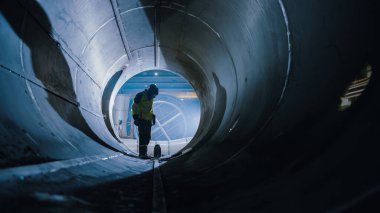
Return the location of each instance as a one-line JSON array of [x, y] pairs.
[[177, 110]]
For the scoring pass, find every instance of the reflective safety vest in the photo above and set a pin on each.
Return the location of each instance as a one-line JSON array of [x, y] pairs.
[[142, 106]]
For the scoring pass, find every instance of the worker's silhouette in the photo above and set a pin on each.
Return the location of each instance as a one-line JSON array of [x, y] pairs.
[[142, 110]]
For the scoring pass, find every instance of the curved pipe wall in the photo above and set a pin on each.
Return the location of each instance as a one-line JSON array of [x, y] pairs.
[[258, 67], [76, 69]]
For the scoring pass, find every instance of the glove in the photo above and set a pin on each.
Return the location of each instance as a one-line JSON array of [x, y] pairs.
[[137, 122], [154, 119]]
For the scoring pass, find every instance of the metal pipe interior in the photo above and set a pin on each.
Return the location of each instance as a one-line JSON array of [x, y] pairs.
[[259, 68]]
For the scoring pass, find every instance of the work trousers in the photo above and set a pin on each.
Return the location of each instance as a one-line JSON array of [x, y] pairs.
[[144, 136]]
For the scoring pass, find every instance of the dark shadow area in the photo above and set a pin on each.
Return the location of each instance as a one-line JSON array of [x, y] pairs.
[[106, 100], [325, 163], [218, 113], [133, 194], [20, 152], [29, 21]]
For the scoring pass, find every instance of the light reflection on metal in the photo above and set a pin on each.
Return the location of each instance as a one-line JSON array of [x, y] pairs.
[[356, 88], [120, 25], [180, 95]]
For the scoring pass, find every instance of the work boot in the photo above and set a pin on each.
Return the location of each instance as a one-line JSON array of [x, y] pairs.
[[143, 156]]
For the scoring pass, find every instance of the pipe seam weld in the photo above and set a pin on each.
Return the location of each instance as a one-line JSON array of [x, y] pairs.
[[51, 91]]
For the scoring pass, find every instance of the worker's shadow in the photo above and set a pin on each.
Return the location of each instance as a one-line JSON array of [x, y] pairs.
[[29, 21]]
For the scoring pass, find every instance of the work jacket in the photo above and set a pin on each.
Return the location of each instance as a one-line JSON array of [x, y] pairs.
[[143, 106]]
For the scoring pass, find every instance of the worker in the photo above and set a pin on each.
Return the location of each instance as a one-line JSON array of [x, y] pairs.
[[142, 111]]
